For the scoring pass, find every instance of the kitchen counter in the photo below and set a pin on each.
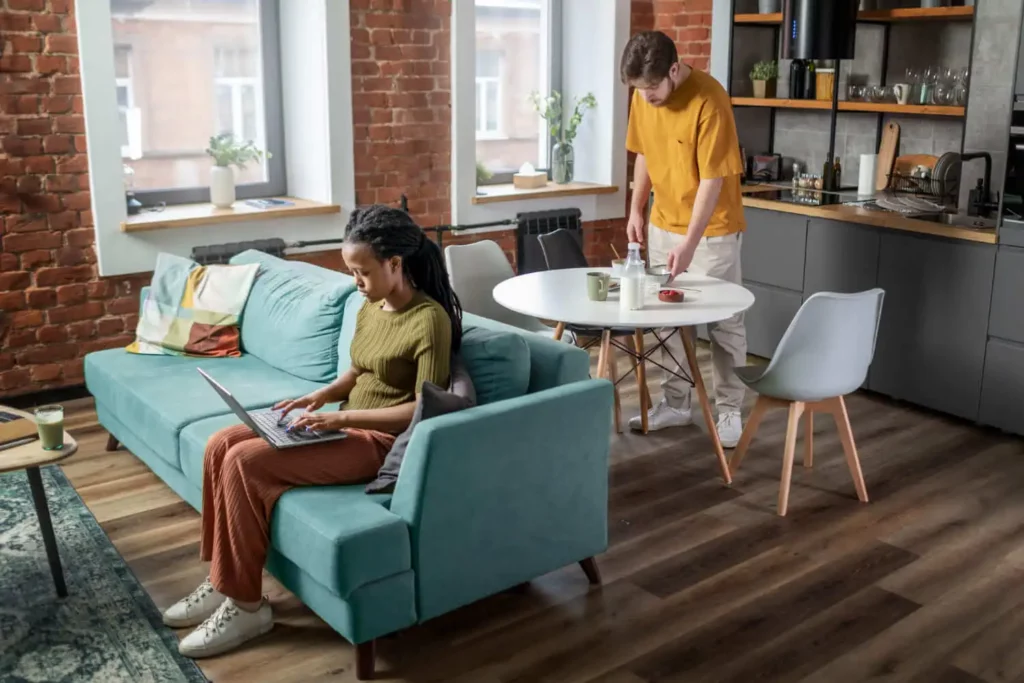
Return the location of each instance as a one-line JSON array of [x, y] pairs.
[[855, 214]]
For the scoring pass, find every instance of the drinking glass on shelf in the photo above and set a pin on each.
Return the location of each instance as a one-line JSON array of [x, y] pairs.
[[942, 95], [963, 76], [948, 75], [856, 93]]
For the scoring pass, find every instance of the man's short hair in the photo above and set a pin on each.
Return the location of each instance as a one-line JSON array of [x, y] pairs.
[[647, 58]]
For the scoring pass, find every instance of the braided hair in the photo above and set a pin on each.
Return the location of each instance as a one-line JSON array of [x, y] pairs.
[[392, 232]]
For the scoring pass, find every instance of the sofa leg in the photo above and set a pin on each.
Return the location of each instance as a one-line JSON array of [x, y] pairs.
[[589, 567], [365, 664], [112, 442]]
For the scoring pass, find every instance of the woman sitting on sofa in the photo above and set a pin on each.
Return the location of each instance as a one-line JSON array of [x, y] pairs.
[[406, 332]]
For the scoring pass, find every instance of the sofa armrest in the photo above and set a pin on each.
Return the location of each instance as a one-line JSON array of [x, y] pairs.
[[143, 293], [502, 493]]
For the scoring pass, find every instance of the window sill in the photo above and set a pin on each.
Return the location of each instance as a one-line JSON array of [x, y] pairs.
[[190, 215], [508, 193]]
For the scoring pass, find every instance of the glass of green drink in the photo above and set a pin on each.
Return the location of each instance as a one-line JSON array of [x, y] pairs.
[[50, 423]]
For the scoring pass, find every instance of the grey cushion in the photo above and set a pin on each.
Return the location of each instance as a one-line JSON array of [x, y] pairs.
[[434, 401]]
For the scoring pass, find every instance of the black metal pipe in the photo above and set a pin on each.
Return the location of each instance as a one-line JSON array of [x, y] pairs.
[[835, 115]]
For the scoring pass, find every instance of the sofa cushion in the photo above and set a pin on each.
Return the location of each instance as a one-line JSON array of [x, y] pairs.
[[339, 535], [348, 331], [498, 362], [156, 396], [293, 316]]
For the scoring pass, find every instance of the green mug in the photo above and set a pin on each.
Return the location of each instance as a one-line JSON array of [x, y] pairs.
[[597, 286]]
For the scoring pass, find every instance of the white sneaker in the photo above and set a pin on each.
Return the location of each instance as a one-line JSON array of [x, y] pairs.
[[226, 629], [194, 609], [730, 429], [662, 416]]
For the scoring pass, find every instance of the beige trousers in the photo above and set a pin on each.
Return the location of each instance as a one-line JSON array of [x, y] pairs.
[[717, 257]]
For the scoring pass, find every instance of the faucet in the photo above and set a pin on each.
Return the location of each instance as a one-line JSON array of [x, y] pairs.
[[978, 198]]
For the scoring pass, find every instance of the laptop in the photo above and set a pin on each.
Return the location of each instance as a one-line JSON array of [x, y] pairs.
[[268, 423]]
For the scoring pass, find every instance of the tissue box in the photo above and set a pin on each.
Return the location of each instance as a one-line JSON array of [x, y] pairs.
[[529, 181]]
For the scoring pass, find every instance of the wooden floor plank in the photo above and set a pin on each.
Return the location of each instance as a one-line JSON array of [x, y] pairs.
[[703, 581]]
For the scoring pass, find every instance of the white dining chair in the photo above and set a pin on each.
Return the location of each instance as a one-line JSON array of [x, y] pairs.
[[824, 355]]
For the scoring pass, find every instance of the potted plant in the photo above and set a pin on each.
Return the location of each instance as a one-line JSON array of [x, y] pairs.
[[550, 109], [227, 152], [764, 75]]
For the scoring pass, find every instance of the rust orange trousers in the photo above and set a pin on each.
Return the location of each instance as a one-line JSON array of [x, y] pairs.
[[243, 476]]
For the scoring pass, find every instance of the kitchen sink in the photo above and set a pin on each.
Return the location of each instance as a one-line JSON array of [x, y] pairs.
[[959, 220]]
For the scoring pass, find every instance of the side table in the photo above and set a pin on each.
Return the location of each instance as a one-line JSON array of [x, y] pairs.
[[30, 457]]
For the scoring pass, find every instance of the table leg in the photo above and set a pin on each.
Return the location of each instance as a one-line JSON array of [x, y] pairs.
[[705, 404], [641, 378], [559, 331], [35, 482], [602, 356]]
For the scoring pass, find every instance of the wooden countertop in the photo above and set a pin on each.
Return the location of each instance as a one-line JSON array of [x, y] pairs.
[[854, 214]]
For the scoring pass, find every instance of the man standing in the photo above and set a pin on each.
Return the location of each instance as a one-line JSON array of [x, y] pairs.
[[682, 130]]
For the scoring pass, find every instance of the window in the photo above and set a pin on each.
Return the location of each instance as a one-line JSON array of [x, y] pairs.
[[128, 114], [517, 48], [488, 94], [194, 69]]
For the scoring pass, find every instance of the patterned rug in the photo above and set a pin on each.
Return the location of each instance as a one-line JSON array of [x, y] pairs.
[[106, 631]]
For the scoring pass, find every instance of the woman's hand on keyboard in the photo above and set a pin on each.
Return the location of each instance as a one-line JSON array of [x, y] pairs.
[[310, 402], [320, 422]]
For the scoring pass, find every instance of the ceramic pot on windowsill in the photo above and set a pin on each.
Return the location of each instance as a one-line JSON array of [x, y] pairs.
[[222, 186]]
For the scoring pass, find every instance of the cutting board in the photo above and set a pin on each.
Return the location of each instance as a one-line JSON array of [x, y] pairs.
[[887, 154]]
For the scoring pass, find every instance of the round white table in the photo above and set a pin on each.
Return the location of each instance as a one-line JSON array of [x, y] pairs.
[[561, 296]]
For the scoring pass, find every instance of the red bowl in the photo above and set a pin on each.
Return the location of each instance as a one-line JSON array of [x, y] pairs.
[[671, 296]]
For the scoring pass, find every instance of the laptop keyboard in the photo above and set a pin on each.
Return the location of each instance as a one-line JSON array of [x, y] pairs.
[[268, 420]]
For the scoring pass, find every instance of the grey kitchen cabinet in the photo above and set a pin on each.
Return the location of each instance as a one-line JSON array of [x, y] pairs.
[[841, 257], [933, 333], [773, 248], [1002, 391], [1006, 320], [766, 321]]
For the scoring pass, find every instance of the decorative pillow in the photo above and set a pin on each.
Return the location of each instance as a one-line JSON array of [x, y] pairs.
[[498, 362], [193, 310], [434, 401]]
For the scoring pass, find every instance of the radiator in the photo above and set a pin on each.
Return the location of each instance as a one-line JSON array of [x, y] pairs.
[[529, 256], [222, 253]]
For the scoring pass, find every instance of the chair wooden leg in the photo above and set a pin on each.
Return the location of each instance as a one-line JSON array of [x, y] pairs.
[[365, 664], [589, 567], [112, 443], [641, 379], [753, 422], [613, 362], [809, 439], [849, 447], [559, 331], [792, 428]]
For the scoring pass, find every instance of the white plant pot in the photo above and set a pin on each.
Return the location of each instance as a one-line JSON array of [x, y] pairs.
[[222, 187]]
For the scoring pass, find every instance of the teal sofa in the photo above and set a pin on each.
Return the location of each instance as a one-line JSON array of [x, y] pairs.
[[487, 498]]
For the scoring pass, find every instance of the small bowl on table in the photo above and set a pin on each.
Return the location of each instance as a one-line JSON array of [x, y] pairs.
[[659, 274]]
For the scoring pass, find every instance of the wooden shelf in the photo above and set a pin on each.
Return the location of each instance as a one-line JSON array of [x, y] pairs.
[[507, 193], [766, 19], [908, 109], [881, 16], [876, 107], [190, 215], [780, 103], [918, 14]]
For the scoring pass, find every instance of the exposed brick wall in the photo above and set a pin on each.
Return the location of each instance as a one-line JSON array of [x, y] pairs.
[[53, 306], [401, 104]]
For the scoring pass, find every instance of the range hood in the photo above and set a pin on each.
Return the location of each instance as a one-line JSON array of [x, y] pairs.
[[818, 29]]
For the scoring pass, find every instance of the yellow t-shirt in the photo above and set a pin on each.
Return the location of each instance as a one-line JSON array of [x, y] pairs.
[[692, 136]]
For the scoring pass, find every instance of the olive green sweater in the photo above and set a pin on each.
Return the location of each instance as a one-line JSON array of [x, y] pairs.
[[394, 352]]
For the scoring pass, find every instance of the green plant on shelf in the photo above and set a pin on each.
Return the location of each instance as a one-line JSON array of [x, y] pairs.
[[764, 71], [226, 150]]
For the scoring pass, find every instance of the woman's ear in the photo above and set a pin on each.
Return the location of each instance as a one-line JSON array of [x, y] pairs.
[[396, 264]]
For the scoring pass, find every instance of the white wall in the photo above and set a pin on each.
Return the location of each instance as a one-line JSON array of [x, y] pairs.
[[594, 33], [317, 74]]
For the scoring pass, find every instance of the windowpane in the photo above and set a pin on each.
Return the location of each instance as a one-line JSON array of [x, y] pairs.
[[193, 70], [512, 61]]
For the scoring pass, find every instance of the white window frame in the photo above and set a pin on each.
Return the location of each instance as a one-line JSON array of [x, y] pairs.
[[237, 84]]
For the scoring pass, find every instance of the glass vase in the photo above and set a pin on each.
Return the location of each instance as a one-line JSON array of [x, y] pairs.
[[562, 162]]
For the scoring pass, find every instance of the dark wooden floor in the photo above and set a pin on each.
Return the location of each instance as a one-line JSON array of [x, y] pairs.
[[703, 582]]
